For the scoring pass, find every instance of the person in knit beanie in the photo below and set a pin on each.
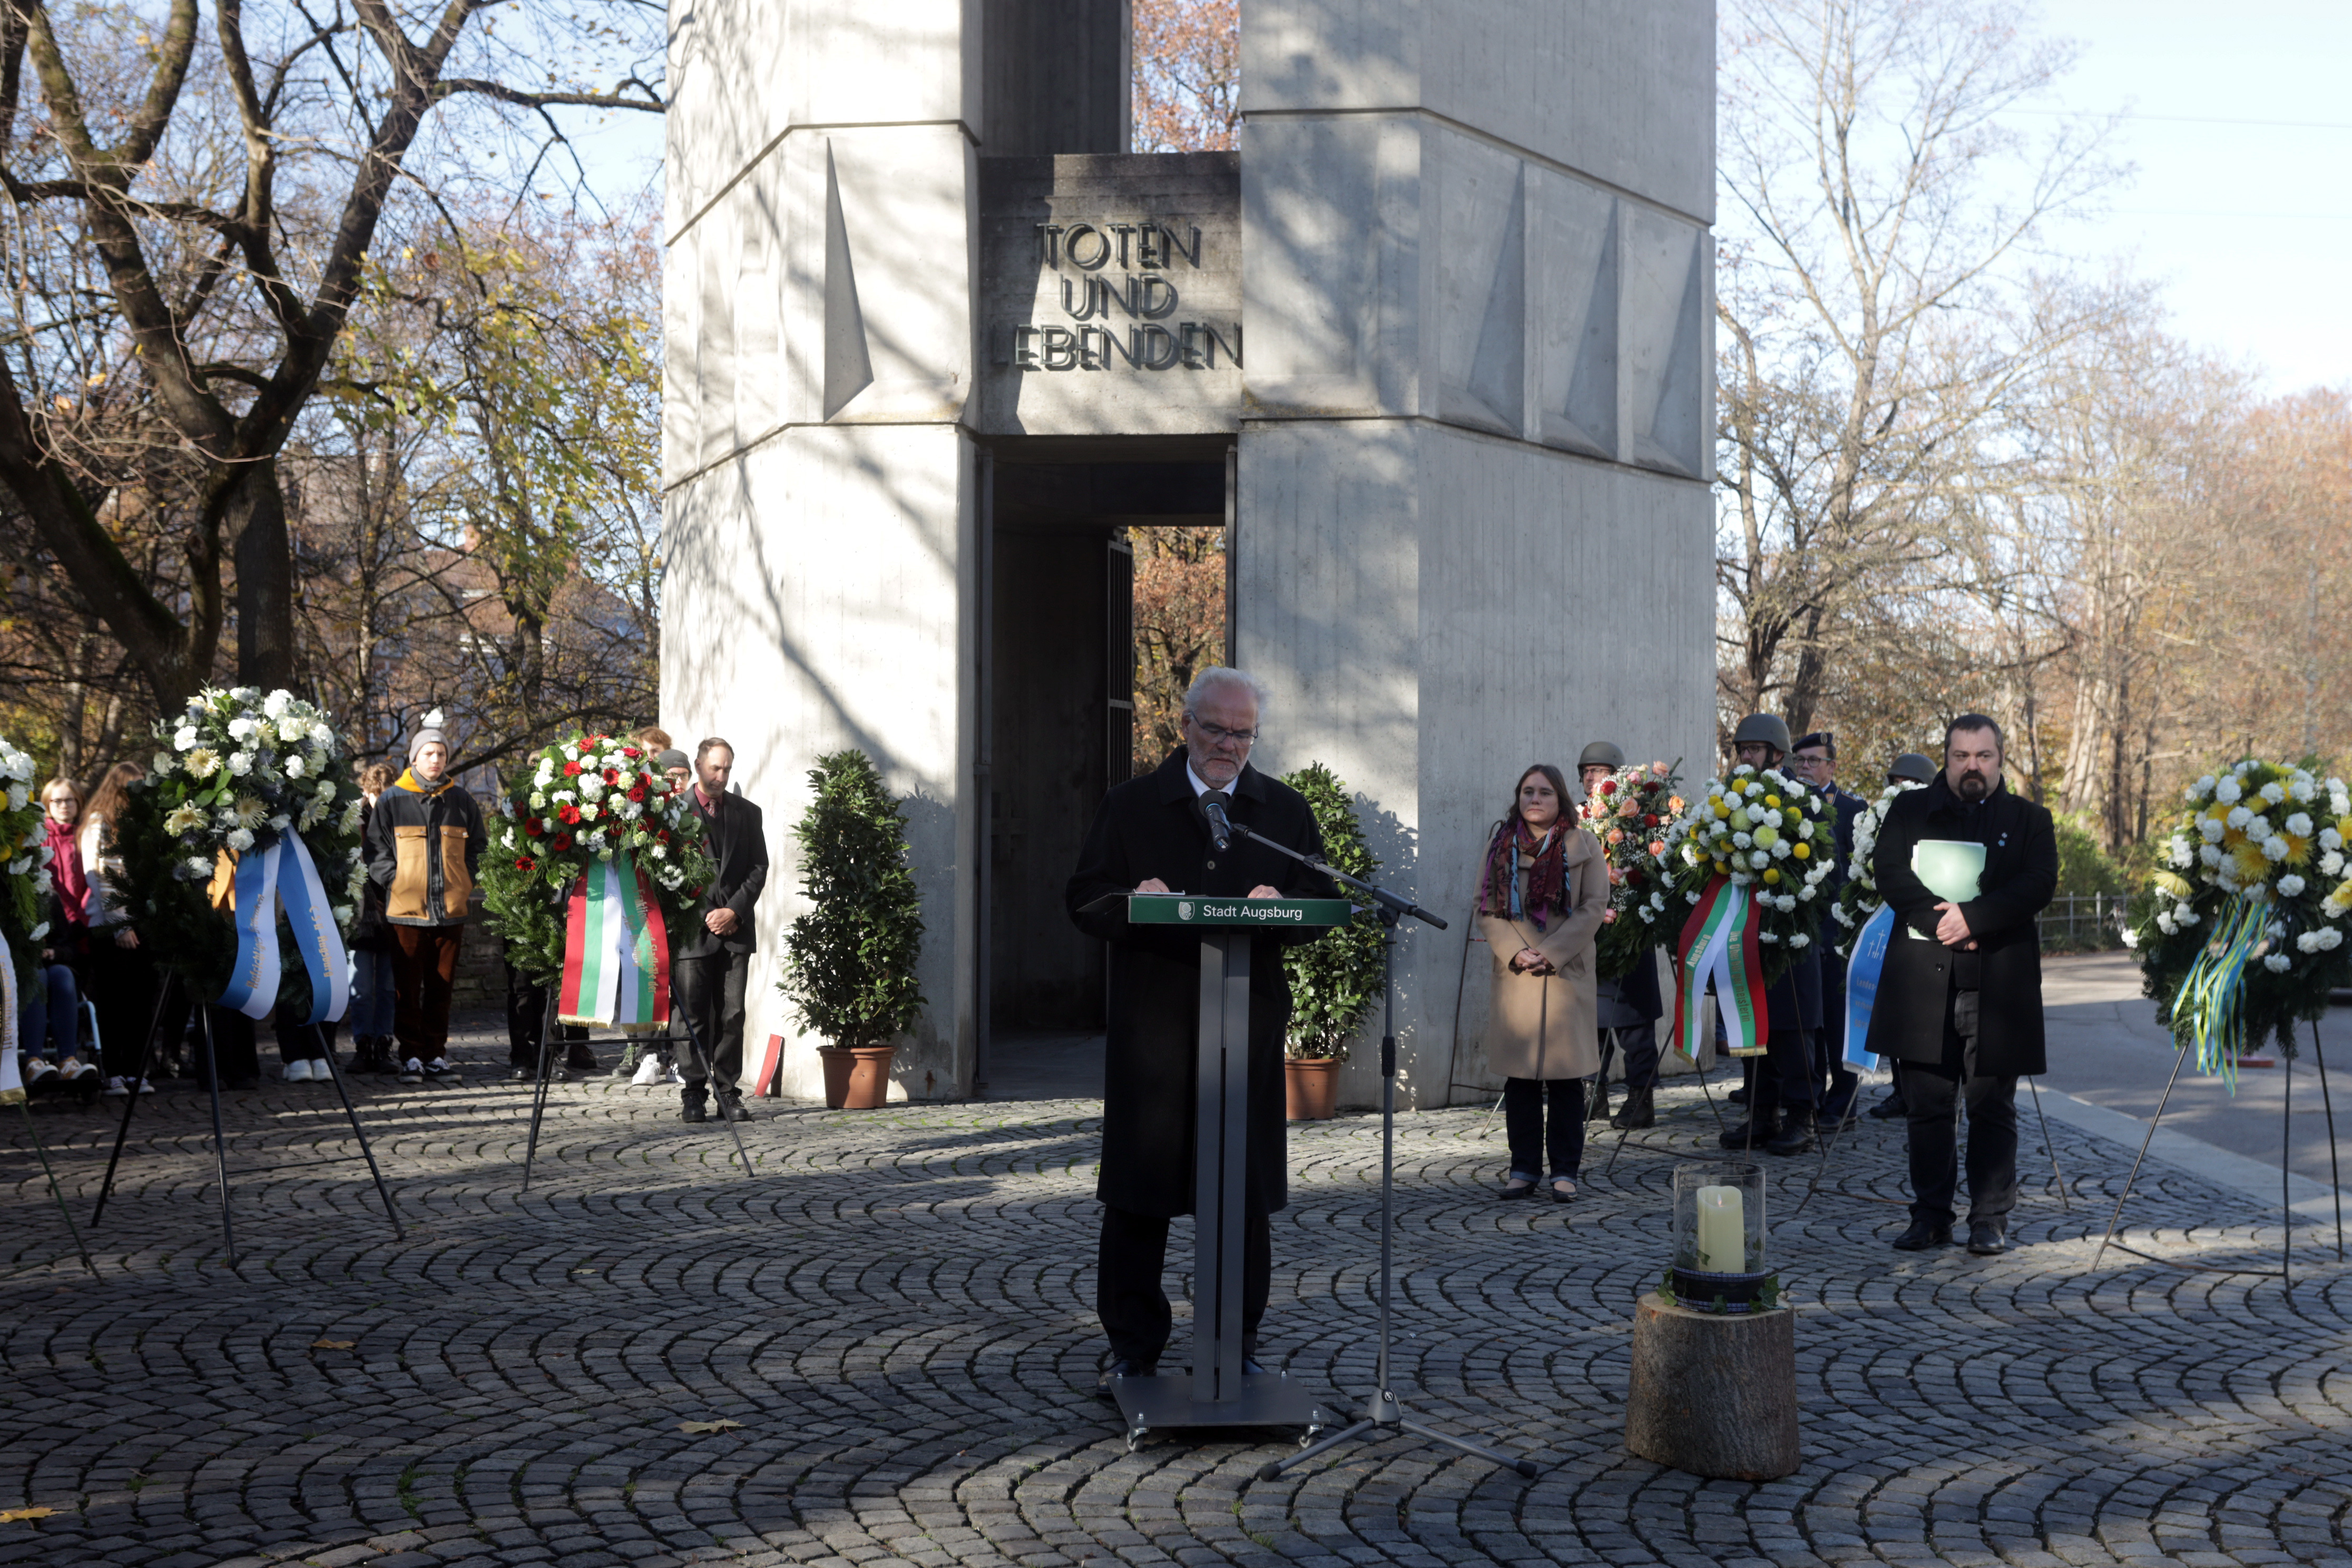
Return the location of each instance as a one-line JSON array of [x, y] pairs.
[[424, 844]]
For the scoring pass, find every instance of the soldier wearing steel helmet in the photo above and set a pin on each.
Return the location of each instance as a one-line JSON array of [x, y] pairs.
[[1627, 1009], [1911, 768], [1781, 1098]]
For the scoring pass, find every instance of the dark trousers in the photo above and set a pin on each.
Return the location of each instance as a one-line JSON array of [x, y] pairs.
[[423, 971], [527, 1006], [1640, 1044], [1561, 1143], [709, 992], [1130, 1261], [237, 1041], [122, 983], [1931, 1099], [1831, 1075], [1780, 1081]]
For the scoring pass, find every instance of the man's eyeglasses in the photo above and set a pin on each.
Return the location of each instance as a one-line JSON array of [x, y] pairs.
[[1218, 734]]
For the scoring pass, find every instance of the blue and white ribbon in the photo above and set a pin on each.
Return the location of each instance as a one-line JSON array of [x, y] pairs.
[[12, 1086], [1862, 973], [285, 876]]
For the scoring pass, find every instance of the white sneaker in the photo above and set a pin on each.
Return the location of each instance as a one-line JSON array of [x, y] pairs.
[[116, 1088], [675, 1075], [296, 1072], [649, 1071], [411, 1071]]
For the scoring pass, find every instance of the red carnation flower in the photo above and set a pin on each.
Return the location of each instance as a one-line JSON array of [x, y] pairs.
[[570, 814], [533, 827], [525, 863], [638, 792], [1608, 786], [612, 775], [570, 770], [559, 843]]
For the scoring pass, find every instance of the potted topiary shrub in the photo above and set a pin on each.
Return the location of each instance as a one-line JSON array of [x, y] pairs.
[[1334, 981], [849, 962]]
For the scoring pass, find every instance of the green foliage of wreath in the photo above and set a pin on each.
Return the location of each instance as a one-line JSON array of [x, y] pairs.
[[1335, 979], [23, 862]]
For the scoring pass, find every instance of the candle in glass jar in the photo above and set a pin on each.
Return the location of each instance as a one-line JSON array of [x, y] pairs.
[[1722, 1232]]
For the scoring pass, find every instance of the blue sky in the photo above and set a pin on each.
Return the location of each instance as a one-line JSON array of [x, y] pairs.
[[2241, 130]]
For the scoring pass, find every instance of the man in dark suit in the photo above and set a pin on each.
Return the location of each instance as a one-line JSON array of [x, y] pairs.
[[1959, 1001], [709, 972], [1150, 836], [1814, 763]]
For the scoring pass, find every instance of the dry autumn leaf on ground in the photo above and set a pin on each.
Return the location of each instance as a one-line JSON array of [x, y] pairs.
[[11, 1515], [709, 1426]]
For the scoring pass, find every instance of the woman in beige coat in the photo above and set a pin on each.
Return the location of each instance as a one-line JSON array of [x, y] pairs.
[[1542, 892]]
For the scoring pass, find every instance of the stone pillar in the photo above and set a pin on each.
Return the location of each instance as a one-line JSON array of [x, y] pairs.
[[1474, 516]]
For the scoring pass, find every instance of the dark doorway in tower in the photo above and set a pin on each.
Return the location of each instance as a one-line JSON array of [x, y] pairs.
[[1106, 584]]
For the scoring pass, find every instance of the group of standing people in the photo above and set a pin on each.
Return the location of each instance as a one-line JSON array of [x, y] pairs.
[[1959, 1009], [99, 1002]]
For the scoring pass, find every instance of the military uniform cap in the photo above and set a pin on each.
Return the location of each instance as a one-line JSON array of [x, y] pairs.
[[1601, 754]]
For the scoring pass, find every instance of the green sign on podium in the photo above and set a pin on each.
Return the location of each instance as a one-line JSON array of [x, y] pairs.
[[1190, 910]]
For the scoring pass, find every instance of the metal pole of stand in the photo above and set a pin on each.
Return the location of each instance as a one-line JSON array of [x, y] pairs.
[[2286, 1180], [2335, 1177], [2049, 1147], [1822, 1165], [2181, 1057], [220, 1139], [1385, 1409], [352, 1111], [55, 1191], [146, 1077], [539, 1092], [703, 1064]]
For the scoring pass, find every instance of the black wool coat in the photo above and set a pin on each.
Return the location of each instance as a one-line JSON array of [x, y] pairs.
[[1149, 828], [738, 847], [2020, 875]]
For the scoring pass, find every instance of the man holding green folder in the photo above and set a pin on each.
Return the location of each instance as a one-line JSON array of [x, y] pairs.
[[1966, 866]]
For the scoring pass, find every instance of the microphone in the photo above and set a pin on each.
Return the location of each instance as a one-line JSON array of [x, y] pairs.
[[1220, 827]]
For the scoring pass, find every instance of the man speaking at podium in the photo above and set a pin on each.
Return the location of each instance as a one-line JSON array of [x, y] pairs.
[[1152, 836]]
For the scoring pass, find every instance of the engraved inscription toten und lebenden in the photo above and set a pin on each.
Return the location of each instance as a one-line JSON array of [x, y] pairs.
[[1119, 284]]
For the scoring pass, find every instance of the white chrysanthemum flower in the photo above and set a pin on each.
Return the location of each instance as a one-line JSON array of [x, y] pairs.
[[202, 762], [2330, 839], [2303, 788], [2277, 963], [342, 914], [294, 731], [185, 737], [2299, 824], [294, 766], [1742, 841], [20, 798], [1690, 898], [1780, 850], [2274, 848], [2184, 917], [2290, 886], [588, 811], [1767, 936], [1757, 858], [2239, 816], [2183, 852], [2228, 791], [2273, 792], [161, 764], [242, 728], [2131, 938], [2326, 939], [277, 702], [240, 763], [2212, 829], [193, 866], [183, 819], [2331, 863], [1799, 940], [239, 839], [1753, 791]]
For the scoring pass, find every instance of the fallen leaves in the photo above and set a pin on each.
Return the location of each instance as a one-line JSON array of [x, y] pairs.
[[332, 1345], [709, 1426], [11, 1515]]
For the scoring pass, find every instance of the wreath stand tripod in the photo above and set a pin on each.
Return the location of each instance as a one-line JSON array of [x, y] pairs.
[[546, 1069], [220, 1143], [2287, 1184], [1384, 1413], [24, 1106]]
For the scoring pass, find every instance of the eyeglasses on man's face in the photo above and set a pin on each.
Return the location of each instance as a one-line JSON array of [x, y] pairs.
[[1218, 735]]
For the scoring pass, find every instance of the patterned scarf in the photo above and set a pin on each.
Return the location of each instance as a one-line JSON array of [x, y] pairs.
[[1547, 883]]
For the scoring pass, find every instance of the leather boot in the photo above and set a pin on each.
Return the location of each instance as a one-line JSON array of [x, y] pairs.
[[694, 1103], [1596, 1103], [1923, 1235], [1796, 1134], [1639, 1112], [1756, 1131]]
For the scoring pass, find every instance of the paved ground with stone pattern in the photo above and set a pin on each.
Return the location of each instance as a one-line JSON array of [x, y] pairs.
[[891, 1319]]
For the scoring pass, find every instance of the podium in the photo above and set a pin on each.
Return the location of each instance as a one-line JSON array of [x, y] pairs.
[[1216, 1392]]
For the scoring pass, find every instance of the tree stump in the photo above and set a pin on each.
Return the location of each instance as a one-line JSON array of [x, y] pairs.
[[1713, 1395]]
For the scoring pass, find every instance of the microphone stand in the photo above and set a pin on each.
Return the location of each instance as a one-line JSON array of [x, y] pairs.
[[1384, 1415]]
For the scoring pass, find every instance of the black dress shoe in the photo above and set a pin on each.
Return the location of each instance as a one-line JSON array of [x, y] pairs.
[[1752, 1133], [1988, 1237], [1891, 1109], [1596, 1105], [731, 1109], [1923, 1235], [694, 1104], [1737, 1096], [1796, 1135], [1836, 1109], [1122, 1367], [1639, 1111]]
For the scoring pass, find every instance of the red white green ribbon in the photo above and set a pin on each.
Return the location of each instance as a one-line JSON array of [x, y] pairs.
[[1720, 943], [615, 950]]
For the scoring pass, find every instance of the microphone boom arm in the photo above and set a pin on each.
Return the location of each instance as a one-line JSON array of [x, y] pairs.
[[1393, 908]]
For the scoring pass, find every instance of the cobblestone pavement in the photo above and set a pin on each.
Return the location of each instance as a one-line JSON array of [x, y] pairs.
[[891, 1317]]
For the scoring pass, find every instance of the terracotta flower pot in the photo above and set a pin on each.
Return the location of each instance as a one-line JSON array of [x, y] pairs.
[[1310, 1088], [857, 1077]]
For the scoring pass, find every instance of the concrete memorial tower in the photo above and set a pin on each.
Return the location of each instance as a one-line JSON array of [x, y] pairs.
[[1433, 347]]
